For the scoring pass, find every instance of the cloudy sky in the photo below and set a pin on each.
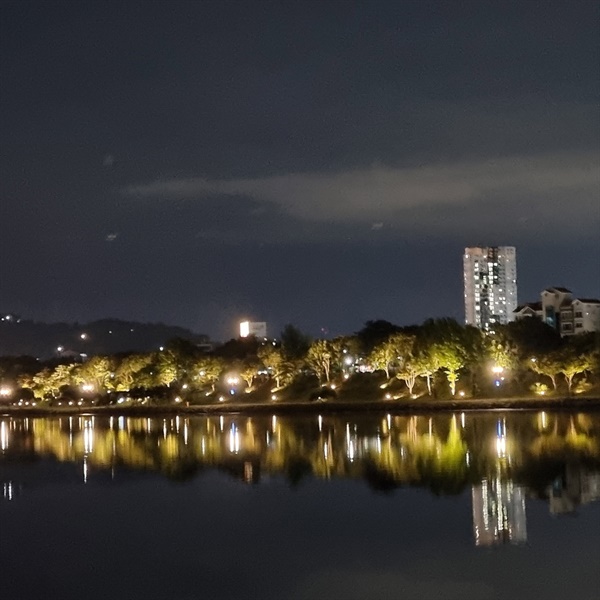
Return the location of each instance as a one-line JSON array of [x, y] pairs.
[[320, 163]]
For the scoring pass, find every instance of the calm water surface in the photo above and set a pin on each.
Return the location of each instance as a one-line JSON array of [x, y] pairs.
[[452, 506]]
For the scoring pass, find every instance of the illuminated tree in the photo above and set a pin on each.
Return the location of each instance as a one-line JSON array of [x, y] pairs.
[[549, 364], [63, 375], [249, 370], [40, 384], [574, 363], [321, 355], [127, 373], [208, 370], [166, 368], [382, 357], [503, 353], [449, 358], [413, 367], [97, 371], [272, 359]]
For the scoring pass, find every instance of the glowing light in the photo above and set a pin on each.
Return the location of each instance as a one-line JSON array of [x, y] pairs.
[[320, 422], [83, 336], [388, 396], [461, 394], [234, 440], [5, 391], [273, 396], [244, 329], [3, 436], [88, 439], [87, 387]]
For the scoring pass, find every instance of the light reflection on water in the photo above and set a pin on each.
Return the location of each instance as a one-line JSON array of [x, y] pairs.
[[506, 471], [497, 456]]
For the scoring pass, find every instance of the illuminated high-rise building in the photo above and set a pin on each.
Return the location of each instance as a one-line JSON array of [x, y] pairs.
[[490, 280]]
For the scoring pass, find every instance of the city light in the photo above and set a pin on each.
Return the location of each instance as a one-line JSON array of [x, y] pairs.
[[244, 329]]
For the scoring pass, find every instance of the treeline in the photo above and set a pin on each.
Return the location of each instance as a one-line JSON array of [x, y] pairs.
[[439, 358]]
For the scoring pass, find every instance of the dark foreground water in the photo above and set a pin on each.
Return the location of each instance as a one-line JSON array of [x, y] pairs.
[[453, 506]]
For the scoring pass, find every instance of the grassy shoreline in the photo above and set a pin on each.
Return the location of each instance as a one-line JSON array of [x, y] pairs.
[[391, 406]]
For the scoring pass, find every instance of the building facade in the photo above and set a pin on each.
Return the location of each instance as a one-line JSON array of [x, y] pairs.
[[561, 311], [490, 285], [257, 329]]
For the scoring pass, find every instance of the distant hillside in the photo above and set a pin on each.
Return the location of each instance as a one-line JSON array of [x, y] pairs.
[[108, 336]]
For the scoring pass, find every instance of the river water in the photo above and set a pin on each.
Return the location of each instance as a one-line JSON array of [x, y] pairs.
[[487, 505]]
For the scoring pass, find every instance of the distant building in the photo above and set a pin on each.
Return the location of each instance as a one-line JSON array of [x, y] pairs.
[[490, 285], [499, 515], [255, 328], [559, 309]]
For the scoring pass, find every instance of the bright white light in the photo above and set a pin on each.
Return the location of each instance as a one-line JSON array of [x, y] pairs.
[[5, 391], [244, 329], [87, 387], [3, 436], [84, 336]]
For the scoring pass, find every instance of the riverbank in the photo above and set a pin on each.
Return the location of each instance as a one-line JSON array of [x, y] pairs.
[[318, 407]]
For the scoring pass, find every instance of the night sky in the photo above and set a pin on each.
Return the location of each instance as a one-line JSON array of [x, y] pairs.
[[319, 163]]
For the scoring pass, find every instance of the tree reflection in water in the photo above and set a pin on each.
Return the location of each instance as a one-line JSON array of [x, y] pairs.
[[446, 453]]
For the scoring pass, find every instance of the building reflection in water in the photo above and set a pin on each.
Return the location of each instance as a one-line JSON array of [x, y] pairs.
[[574, 487], [498, 512], [443, 453]]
